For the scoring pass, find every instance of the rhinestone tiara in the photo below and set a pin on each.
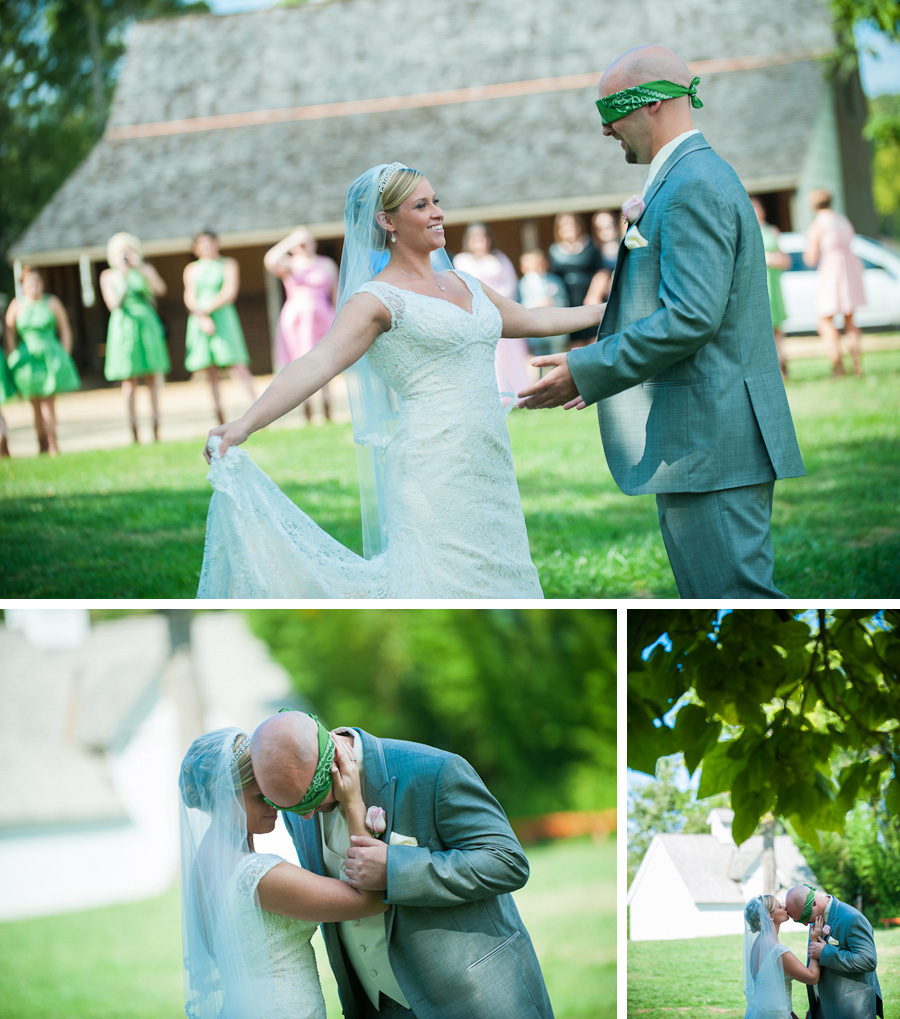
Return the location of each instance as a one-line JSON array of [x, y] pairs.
[[241, 749], [386, 175]]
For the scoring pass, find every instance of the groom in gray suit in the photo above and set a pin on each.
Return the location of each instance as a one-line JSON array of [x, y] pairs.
[[684, 371], [848, 985], [452, 945]]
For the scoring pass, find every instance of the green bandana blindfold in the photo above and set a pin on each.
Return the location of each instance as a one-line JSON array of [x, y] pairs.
[[321, 781], [620, 104], [806, 915]]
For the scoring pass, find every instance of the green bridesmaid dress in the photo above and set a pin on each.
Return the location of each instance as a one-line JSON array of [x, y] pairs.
[[773, 278], [135, 342], [39, 365], [226, 346]]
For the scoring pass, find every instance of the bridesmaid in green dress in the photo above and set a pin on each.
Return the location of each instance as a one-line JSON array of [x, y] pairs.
[[7, 391], [41, 364], [776, 262], [136, 351], [214, 339]]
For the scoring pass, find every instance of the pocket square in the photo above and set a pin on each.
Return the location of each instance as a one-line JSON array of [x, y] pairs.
[[634, 238], [833, 941], [402, 840]]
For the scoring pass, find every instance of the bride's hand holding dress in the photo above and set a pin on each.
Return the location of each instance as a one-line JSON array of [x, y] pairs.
[[354, 330]]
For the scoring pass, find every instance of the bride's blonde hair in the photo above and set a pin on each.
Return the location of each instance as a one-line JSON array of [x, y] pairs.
[[751, 910]]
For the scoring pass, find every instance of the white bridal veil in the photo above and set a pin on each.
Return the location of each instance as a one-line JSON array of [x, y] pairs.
[[373, 405], [226, 968], [764, 982]]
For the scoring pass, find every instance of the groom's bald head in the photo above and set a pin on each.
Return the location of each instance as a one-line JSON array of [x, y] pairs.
[[795, 901], [644, 131], [284, 751], [642, 64]]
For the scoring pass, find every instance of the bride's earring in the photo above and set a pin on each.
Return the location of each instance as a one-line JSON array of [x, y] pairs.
[[393, 238]]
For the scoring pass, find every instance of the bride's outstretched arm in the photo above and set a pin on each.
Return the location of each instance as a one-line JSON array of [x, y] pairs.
[[548, 321], [353, 331]]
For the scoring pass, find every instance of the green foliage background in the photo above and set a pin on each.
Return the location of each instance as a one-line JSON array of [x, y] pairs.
[[527, 696]]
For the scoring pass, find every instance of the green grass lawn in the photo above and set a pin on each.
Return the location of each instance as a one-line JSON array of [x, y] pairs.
[[129, 523], [124, 962], [701, 978]]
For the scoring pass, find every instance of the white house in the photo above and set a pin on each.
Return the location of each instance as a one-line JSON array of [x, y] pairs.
[[96, 720], [696, 886]]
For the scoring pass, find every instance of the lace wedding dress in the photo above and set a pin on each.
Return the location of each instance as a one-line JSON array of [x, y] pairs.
[[295, 992], [454, 519], [771, 989]]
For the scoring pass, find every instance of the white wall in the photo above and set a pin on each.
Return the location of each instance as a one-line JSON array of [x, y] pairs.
[[57, 872], [660, 906]]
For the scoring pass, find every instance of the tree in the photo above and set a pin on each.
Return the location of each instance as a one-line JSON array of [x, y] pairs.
[[58, 65], [882, 15], [528, 697], [765, 700], [663, 807], [862, 866], [883, 130]]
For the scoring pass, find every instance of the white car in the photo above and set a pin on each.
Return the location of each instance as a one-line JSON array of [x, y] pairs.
[[881, 278]]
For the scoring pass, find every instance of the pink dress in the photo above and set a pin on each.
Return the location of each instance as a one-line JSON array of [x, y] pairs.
[[307, 313], [840, 272], [496, 271]]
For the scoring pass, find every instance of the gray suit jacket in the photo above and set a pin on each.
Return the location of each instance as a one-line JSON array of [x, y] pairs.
[[848, 985], [684, 371], [455, 940]]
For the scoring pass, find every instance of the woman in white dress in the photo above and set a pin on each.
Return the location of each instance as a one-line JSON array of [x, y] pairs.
[[248, 917], [441, 511], [769, 966]]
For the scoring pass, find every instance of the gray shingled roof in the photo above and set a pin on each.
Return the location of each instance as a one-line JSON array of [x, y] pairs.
[[64, 710], [713, 870], [504, 154]]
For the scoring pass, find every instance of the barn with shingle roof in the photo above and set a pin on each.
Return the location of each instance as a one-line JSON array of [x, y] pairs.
[[254, 123]]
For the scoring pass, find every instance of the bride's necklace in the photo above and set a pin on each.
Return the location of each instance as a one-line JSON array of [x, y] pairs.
[[423, 278]]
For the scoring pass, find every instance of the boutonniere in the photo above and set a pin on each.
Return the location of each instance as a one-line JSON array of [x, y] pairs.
[[633, 209], [376, 822]]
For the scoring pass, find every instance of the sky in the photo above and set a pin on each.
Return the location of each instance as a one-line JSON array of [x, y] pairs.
[[880, 72]]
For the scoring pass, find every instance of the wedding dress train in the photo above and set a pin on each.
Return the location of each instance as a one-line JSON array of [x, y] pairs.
[[453, 517]]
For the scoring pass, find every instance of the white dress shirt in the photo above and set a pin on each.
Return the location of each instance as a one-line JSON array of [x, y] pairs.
[[364, 940], [661, 156]]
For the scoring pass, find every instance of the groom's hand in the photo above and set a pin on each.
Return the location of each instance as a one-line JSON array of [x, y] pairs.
[[366, 864], [556, 389], [815, 949]]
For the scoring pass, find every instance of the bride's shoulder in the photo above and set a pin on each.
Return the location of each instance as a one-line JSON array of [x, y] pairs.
[[252, 868]]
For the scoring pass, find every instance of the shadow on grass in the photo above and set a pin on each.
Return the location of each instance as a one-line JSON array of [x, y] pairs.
[[836, 530], [132, 544]]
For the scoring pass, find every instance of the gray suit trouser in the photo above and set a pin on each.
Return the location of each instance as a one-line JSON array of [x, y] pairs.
[[720, 543]]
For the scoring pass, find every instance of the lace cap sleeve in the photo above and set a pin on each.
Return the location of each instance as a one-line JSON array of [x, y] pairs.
[[250, 872], [390, 297]]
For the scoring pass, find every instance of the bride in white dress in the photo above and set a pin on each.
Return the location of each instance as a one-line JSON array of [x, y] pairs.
[[769, 966], [247, 917], [441, 511]]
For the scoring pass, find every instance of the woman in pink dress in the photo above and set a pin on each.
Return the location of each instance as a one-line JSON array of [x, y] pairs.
[[840, 279], [491, 267], [310, 283]]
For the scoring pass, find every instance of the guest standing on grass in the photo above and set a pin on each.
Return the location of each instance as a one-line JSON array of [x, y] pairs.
[[776, 263], [839, 276], [310, 283], [214, 340], [41, 362], [489, 265], [136, 351]]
